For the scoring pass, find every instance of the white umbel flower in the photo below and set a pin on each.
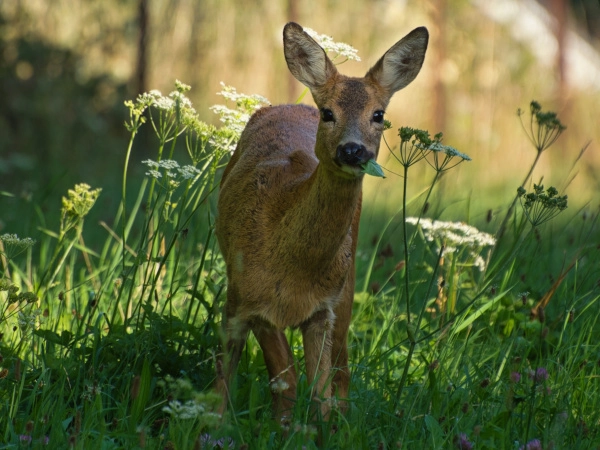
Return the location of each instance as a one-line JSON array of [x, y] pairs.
[[330, 46]]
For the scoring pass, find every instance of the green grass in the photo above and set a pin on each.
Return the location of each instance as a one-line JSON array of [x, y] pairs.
[[111, 343]]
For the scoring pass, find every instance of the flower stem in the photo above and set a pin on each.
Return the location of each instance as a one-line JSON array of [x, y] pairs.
[[406, 244], [415, 338], [502, 228], [124, 196], [433, 183]]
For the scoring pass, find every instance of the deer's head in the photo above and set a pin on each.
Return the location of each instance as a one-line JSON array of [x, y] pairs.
[[352, 109]]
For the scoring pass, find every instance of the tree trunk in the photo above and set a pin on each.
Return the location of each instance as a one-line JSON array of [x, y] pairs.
[[439, 54], [142, 61]]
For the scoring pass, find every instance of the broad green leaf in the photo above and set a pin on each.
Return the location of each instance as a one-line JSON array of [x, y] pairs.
[[435, 432]]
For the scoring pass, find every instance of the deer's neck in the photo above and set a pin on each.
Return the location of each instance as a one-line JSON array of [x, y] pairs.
[[315, 230]]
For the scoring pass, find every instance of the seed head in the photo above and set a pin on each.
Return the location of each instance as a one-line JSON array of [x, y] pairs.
[[544, 127], [539, 206], [11, 245], [414, 146]]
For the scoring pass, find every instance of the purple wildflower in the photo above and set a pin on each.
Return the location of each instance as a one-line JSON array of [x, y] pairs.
[[541, 375], [207, 441], [534, 444], [462, 442], [515, 377]]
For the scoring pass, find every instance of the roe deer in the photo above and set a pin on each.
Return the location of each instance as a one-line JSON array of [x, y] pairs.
[[289, 209]]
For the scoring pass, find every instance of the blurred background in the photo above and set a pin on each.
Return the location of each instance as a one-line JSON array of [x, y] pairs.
[[66, 66]]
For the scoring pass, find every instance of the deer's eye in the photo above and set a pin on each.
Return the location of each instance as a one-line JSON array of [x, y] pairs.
[[326, 115], [378, 116]]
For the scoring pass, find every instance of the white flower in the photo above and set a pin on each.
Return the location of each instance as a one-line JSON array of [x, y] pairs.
[[184, 103], [169, 103], [278, 386], [168, 164], [448, 250], [479, 262], [32, 320], [329, 45], [188, 410], [172, 170], [456, 236], [253, 101], [188, 172], [234, 119], [226, 143], [154, 174], [246, 105], [159, 101], [455, 233], [151, 163]]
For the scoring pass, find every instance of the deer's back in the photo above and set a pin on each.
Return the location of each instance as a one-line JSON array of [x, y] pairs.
[[274, 156], [271, 136]]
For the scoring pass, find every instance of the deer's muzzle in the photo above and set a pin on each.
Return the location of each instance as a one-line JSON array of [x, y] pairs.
[[352, 154]]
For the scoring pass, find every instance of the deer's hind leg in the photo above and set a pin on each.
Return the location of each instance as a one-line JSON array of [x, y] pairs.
[[280, 365], [236, 335]]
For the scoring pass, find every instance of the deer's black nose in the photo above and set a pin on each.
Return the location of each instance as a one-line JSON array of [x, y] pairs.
[[353, 154]]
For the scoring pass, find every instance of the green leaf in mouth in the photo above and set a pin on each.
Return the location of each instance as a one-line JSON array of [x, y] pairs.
[[372, 168]]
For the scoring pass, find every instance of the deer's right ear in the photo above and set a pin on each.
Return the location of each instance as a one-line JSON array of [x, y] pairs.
[[401, 63], [307, 61]]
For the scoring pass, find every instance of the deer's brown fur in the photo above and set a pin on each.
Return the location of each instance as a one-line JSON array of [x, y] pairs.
[[289, 211]]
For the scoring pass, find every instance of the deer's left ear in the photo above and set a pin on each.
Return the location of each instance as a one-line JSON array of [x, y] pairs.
[[399, 66]]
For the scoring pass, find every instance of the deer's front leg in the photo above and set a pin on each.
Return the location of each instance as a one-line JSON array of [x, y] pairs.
[[317, 334], [339, 349], [280, 365]]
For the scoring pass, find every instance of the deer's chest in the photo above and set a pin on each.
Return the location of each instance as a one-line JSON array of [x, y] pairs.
[[287, 291]]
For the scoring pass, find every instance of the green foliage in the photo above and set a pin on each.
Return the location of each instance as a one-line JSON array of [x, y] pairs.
[[110, 323], [466, 342], [57, 128]]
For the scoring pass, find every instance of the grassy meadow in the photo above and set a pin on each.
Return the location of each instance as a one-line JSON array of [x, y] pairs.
[[475, 325], [459, 339]]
